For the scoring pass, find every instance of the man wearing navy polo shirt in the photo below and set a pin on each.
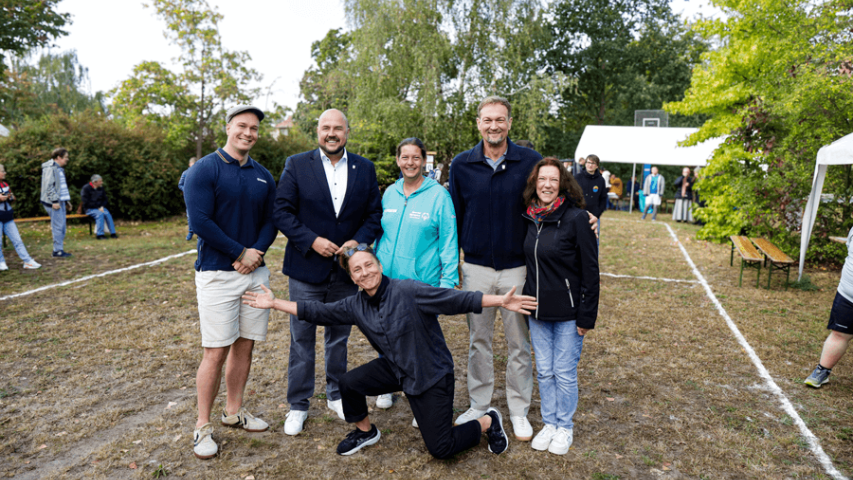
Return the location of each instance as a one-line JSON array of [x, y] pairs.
[[229, 200]]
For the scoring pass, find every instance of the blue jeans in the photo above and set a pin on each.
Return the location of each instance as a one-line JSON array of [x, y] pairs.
[[11, 232], [99, 220], [303, 338], [557, 347], [57, 225]]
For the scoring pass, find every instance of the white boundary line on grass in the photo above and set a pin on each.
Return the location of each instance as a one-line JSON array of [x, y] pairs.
[[89, 277], [674, 280], [814, 443]]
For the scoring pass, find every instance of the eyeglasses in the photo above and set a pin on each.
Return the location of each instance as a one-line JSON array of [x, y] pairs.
[[358, 248]]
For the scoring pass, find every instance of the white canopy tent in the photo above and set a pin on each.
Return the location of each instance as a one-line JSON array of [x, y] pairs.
[[839, 152], [652, 145]]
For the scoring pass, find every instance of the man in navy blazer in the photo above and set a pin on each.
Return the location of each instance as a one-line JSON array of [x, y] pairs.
[[327, 202]]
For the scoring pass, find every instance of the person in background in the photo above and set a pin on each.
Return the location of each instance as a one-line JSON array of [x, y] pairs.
[[632, 192], [419, 229], [594, 188], [579, 167], [683, 211], [615, 191], [525, 144], [56, 198], [653, 188], [8, 227], [561, 256], [93, 198], [181, 186], [840, 323], [400, 319]]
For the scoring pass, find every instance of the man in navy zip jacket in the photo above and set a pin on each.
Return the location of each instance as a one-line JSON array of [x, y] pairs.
[[486, 185], [327, 201], [594, 188], [230, 203]]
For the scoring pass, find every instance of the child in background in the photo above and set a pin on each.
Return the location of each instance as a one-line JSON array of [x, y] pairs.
[[181, 188]]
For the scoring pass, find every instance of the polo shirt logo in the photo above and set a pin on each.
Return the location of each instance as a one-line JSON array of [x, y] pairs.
[[262, 180], [595, 188]]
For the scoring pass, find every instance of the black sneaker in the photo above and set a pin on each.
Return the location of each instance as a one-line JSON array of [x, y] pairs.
[[61, 254], [357, 439], [100, 237], [498, 441], [113, 235]]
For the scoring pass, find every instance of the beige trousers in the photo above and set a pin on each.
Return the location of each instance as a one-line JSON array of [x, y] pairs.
[[481, 369]]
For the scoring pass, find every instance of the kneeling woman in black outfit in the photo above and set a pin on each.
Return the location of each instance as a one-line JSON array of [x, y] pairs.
[[399, 319]]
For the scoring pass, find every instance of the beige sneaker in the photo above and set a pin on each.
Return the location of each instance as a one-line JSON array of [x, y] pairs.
[[245, 420], [203, 445]]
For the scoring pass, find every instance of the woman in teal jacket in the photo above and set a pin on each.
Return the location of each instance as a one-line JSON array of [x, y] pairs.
[[418, 224], [418, 228]]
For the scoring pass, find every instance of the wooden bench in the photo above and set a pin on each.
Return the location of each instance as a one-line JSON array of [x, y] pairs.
[[749, 256], [72, 216], [777, 258]]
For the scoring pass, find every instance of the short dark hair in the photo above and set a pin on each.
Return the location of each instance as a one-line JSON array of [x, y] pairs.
[[58, 153], [412, 141], [594, 159], [344, 258], [493, 99], [568, 185]]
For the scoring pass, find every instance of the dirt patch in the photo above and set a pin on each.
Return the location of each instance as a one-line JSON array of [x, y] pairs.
[[666, 391]]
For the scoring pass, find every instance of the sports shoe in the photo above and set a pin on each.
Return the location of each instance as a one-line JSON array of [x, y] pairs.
[[336, 406], [32, 265], [295, 419], [415, 423], [471, 414], [820, 376], [61, 254], [100, 237], [543, 439], [561, 441], [498, 441], [245, 420], [356, 440], [113, 235], [203, 445], [3, 266], [521, 428], [385, 401]]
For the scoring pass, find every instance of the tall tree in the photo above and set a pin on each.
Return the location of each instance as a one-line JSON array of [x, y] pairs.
[[27, 25], [212, 77], [780, 86]]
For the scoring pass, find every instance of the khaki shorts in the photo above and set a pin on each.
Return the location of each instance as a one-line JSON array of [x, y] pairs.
[[222, 316]]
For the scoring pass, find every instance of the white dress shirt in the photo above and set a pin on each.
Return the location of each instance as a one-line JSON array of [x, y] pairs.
[[337, 177]]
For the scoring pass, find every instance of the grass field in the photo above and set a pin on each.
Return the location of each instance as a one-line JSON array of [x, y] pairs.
[[97, 378]]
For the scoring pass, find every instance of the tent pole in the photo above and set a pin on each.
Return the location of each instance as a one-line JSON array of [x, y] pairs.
[[633, 186]]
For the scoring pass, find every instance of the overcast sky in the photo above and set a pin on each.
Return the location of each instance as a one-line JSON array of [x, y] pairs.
[[112, 36]]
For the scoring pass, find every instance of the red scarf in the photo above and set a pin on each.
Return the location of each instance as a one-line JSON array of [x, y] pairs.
[[537, 213]]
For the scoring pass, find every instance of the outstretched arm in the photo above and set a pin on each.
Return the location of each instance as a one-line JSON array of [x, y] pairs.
[[268, 300], [516, 303]]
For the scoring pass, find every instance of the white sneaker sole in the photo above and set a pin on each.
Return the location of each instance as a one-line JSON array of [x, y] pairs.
[[369, 442]]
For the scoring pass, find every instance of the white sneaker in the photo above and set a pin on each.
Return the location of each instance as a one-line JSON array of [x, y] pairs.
[[521, 428], [543, 439], [337, 406], [32, 265], [561, 442], [3, 266], [385, 401], [415, 423], [203, 445], [295, 419], [471, 414], [245, 420]]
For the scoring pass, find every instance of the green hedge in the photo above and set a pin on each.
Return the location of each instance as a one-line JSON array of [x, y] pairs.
[[140, 176]]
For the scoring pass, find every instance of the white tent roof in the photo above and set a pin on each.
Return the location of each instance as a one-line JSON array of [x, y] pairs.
[[656, 146], [839, 152]]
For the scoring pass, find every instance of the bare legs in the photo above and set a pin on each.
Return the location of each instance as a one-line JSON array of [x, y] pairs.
[[834, 348], [239, 361]]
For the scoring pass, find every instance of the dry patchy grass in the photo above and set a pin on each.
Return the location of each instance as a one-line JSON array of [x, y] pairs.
[[100, 376]]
